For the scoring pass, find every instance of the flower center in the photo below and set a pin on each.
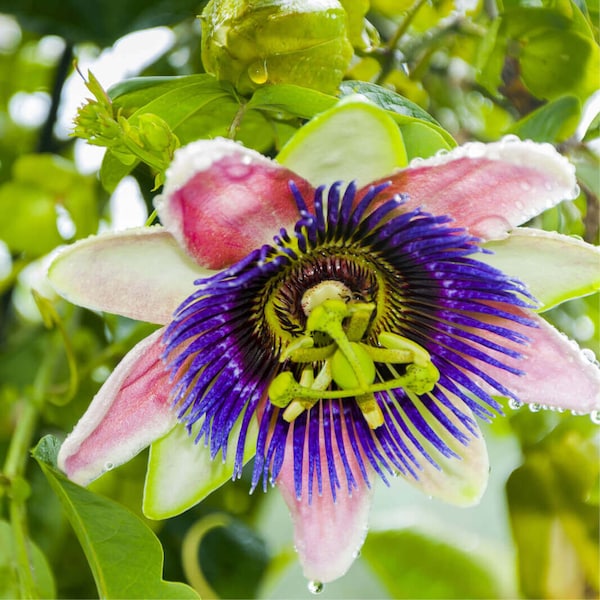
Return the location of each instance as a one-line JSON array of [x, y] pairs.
[[327, 342]]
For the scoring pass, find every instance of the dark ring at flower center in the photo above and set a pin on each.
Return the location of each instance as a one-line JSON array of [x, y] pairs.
[[351, 268]]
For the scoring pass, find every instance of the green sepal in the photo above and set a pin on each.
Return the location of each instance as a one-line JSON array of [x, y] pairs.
[[328, 149], [181, 473], [554, 267]]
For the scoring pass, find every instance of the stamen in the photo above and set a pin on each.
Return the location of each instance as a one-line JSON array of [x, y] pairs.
[[348, 362]]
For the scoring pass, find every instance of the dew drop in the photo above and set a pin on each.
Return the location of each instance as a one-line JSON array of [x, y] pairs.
[[595, 416], [590, 355], [514, 404], [315, 587], [535, 407], [108, 466], [577, 413], [257, 72]]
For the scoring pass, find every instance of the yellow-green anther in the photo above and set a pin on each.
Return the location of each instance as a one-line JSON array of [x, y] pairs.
[[391, 340], [294, 410], [353, 372], [370, 410], [390, 356], [307, 381], [282, 389], [420, 380]]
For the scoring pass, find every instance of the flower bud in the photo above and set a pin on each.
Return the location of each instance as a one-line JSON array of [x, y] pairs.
[[254, 42]]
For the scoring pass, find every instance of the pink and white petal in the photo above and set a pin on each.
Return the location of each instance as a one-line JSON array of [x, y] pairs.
[[181, 472], [327, 149], [221, 201], [555, 370], [131, 410], [328, 534], [488, 188], [554, 267], [138, 273], [460, 481]]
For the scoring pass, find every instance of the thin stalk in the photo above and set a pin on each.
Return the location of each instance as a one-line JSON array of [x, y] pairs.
[[46, 141], [388, 60], [14, 472]]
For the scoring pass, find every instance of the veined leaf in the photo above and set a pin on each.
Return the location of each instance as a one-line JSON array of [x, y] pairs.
[[124, 555], [553, 122], [292, 99], [401, 109]]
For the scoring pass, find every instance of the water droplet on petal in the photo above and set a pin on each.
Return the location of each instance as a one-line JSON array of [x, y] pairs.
[[109, 466], [535, 407], [315, 587], [514, 404], [577, 413], [595, 417], [590, 355]]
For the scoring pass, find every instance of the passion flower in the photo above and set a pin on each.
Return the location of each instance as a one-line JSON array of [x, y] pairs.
[[339, 333]]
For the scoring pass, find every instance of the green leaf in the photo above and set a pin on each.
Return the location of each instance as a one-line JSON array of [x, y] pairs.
[[292, 99], [134, 93], [422, 140], [177, 101], [233, 558], [124, 555], [112, 170], [328, 149], [103, 21], [554, 122], [413, 565], [593, 131], [41, 572]]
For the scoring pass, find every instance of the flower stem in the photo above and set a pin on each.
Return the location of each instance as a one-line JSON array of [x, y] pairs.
[[14, 471]]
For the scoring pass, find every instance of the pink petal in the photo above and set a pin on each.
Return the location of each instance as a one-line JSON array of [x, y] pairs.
[[488, 188], [221, 201], [556, 372], [328, 535], [139, 273], [131, 410]]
